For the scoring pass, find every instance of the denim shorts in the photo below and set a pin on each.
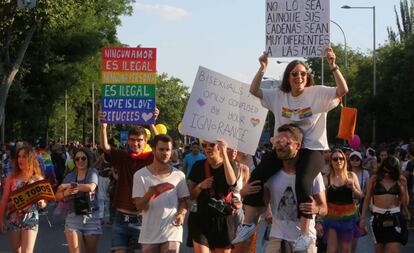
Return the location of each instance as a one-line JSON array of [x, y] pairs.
[[126, 227], [87, 225]]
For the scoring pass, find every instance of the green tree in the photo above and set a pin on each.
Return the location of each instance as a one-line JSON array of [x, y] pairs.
[[17, 29], [395, 90], [172, 98], [359, 80], [64, 54], [405, 22]]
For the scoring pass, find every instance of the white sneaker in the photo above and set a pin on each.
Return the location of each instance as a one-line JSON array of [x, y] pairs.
[[244, 232], [302, 243]]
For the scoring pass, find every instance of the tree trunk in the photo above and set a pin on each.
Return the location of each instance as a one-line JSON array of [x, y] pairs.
[[10, 69], [6, 83]]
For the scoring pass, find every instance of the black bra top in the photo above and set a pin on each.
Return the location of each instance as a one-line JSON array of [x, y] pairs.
[[379, 189]]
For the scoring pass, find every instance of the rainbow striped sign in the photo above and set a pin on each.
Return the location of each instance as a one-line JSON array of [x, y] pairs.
[[128, 85]]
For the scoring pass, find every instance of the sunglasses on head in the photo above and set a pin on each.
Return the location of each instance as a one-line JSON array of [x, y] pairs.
[[337, 158], [83, 158], [211, 145], [297, 73]]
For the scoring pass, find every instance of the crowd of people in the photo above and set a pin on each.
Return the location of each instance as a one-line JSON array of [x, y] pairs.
[[315, 197]]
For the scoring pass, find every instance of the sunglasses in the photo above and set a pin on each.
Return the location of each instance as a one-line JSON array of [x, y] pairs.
[[297, 73], [355, 159], [337, 158], [211, 145], [83, 158]]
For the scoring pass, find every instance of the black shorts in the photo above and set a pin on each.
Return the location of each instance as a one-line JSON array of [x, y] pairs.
[[387, 229], [213, 232]]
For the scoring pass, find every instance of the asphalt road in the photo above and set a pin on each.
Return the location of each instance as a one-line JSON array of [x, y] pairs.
[[51, 239]]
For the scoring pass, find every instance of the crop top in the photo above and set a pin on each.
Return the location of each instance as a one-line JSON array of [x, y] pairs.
[[379, 189]]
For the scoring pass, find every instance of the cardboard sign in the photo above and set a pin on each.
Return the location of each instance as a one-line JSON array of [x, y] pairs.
[[30, 194], [128, 85], [223, 108], [297, 28], [128, 91]]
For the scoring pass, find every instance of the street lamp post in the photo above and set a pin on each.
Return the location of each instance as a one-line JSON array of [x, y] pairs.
[[346, 55], [374, 60]]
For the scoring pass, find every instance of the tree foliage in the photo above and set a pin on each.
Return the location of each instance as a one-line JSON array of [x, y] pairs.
[[405, 22], [358, 74], [395, 91], [64, 54], [172, 98]]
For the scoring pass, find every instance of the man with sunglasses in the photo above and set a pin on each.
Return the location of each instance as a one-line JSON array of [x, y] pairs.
[[279, 193], [297, 101], [127, 221], [211, 227]]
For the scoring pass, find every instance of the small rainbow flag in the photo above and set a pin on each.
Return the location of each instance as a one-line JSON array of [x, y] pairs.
[[286, 112], [305, 113]]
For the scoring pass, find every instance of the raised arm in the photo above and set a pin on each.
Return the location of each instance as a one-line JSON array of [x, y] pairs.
[[255, 85], [103, 134], [152, 127], [228, 168], [341, 86]]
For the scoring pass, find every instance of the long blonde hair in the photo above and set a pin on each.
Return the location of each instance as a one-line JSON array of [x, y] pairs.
[[344, 170], [33, 169]]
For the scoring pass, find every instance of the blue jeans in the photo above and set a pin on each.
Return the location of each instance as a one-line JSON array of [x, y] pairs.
[[126, 227]]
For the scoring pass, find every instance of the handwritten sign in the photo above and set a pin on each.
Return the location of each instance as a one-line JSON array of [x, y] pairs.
[[130, 91], [128, 85], [297, 28], [223, 108], [30, 194]]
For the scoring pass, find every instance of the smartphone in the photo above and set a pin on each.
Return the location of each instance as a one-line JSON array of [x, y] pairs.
[[73, 184]]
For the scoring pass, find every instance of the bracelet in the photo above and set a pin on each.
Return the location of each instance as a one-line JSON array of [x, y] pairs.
[[335, 68]]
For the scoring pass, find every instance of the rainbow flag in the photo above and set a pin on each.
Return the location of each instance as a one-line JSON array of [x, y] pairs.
[[286, 112], [305, 113]]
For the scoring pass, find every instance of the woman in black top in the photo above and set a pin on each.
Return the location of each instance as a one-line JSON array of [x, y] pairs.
[[211, 226], [388, 192]]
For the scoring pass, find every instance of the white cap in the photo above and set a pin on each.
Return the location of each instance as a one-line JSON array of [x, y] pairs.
[[357, 154]]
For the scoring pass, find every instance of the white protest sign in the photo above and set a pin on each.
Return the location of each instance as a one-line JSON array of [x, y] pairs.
[[223, 108], [297, 28]]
